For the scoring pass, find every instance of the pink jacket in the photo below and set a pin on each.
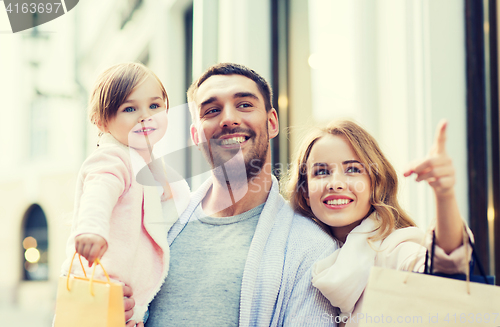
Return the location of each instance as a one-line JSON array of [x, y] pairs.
[[110, 202], [342, 276]]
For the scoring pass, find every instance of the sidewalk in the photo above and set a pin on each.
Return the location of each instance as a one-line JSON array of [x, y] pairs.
[[20, 317]]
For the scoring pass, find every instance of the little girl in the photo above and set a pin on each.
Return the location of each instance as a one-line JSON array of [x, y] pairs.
[[117, 218], [342, 180]]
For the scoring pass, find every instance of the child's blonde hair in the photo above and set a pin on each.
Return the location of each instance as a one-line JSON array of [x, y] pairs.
[[383, 177], [112, 88]]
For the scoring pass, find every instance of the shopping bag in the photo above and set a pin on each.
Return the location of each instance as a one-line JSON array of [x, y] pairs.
[[483, 278], [83, 301], [405, 298]]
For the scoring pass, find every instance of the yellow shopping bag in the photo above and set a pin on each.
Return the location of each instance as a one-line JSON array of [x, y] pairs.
[[83, 301]]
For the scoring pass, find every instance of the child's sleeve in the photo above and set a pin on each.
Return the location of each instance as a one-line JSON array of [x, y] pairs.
[[105, 176]]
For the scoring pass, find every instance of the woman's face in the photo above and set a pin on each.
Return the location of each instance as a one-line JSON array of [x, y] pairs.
[[338, 185]]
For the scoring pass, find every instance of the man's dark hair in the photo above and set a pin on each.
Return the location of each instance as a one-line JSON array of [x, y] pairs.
[[232, 69]]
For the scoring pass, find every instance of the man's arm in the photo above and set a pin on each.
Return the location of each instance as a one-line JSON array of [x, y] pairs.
[[307, 306]]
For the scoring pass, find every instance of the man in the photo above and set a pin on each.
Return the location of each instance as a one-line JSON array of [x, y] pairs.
[[239, 254]]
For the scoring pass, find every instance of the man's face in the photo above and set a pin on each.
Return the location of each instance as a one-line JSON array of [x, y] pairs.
[[231, 115]]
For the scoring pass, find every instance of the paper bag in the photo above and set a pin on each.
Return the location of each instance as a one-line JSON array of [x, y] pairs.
[[83, 301]]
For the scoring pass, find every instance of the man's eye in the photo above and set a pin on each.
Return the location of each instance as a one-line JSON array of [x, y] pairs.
[[211, 111], [245, 105], [154, 106], [129, 109]]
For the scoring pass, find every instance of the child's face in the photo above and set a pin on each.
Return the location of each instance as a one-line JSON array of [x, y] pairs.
[[338, 185], [146, 104]]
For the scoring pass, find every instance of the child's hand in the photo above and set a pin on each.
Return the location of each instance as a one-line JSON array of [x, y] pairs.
[[90, 246], [437, 169], [167, 193]]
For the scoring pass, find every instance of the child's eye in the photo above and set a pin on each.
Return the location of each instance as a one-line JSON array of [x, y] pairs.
[[154, 106], [129, 109]]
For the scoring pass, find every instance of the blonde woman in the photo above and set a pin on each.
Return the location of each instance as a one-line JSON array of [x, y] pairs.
[[342, 180]]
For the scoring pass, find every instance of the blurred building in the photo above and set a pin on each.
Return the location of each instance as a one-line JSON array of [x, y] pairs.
[[397, 67]]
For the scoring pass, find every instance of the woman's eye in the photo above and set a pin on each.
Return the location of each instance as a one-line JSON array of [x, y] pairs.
[[321, 172], [353, 169], [154, 106], [129, 109]]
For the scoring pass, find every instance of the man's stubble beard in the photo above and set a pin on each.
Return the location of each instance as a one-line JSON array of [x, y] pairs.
[[227, 166]]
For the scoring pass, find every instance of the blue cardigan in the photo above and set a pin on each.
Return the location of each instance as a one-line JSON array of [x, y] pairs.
[[276, 288]]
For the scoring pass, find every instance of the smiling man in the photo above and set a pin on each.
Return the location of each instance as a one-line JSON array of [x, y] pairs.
[[239, 254]]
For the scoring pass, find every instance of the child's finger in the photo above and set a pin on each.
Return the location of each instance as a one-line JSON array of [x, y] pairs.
[[103, 250], [94, 253], [440, 140]]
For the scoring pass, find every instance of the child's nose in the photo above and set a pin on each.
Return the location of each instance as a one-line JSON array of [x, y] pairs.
[[145, 116]]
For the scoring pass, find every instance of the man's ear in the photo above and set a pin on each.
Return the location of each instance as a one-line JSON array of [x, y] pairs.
[[273, 124], [195, 135]]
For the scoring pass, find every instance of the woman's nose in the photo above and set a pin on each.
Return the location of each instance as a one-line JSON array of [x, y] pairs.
[[336, 182]]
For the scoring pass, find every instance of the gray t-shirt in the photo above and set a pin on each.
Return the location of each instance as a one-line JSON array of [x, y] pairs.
[[206, 268]]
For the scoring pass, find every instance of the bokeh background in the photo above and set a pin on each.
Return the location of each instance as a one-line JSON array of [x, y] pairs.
[[396, 66]]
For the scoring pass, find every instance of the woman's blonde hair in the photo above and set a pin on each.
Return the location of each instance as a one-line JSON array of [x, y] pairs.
[[383, 177], [113, 87]]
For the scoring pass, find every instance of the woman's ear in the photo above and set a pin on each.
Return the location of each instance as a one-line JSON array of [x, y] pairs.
[[306, 197]]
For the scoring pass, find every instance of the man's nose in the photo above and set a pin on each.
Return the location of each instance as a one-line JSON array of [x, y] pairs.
[[230, 117]]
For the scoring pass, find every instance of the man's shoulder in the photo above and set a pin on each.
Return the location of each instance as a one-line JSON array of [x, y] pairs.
[[305, 231], [307, 243]]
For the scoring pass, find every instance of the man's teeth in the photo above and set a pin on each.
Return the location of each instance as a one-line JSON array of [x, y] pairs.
[[338, 201], [233, 140]]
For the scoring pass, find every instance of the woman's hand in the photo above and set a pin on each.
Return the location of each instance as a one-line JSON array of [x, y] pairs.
[[90, 246], [437, 169]]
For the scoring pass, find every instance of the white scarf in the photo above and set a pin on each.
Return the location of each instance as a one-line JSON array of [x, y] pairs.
[[342, 276]]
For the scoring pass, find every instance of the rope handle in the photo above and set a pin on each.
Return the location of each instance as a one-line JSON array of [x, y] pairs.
[[467, 243], [412, 266], [97, 262], [422, 244]]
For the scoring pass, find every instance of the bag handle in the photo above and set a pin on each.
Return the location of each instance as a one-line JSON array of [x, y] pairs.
[[97, 261], [467, 242]]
